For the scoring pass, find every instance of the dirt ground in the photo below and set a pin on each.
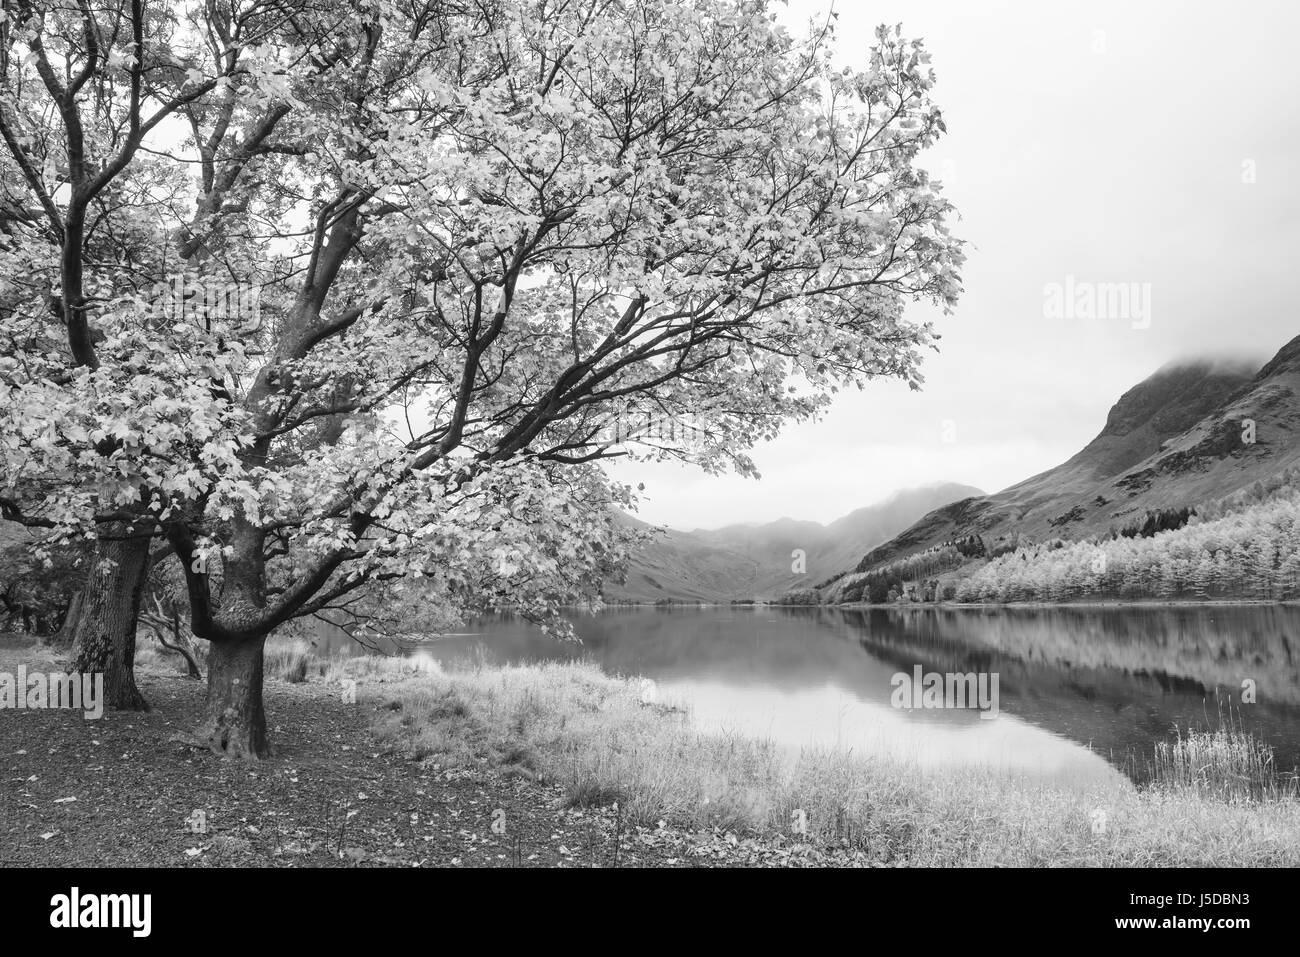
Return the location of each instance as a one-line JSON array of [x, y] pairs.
[[117, 792]]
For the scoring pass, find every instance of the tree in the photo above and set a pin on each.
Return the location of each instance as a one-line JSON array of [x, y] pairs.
[[1202, 577], [84, 86], [488, 244], [38, 593]]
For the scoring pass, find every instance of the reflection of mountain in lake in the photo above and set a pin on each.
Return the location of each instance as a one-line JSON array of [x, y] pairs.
[[1114, 679]]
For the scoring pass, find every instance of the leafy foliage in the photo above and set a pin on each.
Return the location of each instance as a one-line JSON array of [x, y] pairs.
[[35, 590], [437, 258]]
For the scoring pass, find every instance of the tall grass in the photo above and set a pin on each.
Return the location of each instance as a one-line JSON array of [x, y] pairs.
[[1224, 761], [286, 659], [1229, 764]]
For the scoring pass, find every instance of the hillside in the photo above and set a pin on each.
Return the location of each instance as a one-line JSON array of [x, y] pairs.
[[1177, 439], [754, 560]]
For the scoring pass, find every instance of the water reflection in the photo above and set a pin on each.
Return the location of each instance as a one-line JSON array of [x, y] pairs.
[[1078, 686]]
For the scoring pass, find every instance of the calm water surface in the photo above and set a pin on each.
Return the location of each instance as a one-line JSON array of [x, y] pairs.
[[1081, 690]]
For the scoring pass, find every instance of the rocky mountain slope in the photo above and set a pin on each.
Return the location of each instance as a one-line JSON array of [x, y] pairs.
[[1191, 433]]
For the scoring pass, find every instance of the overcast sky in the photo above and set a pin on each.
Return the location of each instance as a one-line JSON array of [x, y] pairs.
[[1108, 141]]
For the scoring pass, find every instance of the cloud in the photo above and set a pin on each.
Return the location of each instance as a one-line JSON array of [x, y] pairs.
[[1098, 140]]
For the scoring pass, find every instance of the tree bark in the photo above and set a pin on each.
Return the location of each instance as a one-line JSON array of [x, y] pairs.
[[68, 629], [234, 721], [106, 628]]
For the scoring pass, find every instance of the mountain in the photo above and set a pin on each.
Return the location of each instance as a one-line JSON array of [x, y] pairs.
[[1180, 438], [755, 560]]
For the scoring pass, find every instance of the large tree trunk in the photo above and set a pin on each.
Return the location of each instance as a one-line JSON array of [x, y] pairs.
[[105, 629], [234, 721]]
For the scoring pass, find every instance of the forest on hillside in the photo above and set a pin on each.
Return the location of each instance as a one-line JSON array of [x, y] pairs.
[[1253, 553], [1243, 547]]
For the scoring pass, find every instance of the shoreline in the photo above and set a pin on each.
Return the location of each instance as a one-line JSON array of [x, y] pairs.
[[1083, 603]]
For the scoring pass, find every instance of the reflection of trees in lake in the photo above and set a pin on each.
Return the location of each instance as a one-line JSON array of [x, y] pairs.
[[1209, 646], [1114, 678]]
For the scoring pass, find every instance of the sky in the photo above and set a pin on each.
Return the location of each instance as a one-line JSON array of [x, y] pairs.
[[1151, 144]]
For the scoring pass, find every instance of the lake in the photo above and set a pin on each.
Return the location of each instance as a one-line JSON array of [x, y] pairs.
[[1081, 690]]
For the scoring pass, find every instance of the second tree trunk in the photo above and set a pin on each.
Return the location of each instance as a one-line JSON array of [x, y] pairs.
[[234, 721], [104, 641]]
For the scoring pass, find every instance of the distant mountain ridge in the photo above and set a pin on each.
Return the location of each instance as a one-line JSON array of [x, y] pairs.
[[1193, 432], [755, 560]]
